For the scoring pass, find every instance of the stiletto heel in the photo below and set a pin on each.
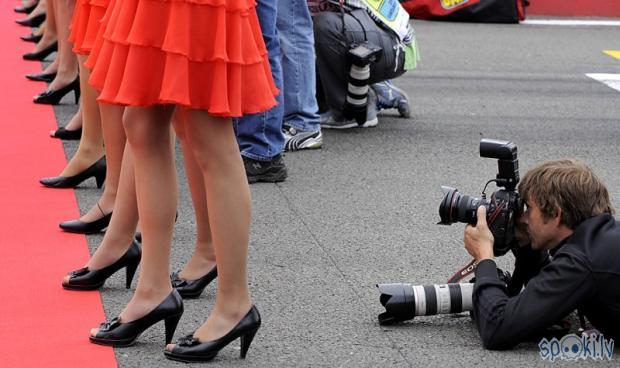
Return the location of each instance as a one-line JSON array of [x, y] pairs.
[[85, 279], [97, 170], [130, 271], [119, 334], [246, 341], [53, 97], [41, 55], [100, 179], [189, 289], [190, 349], [171, 326]]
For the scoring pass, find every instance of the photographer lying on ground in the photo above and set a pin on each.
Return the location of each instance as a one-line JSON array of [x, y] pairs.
[[568, 213]]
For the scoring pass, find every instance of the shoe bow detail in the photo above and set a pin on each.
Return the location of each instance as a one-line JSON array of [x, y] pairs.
[[107, 326], [80, 272], [188, 340], [177, 281]]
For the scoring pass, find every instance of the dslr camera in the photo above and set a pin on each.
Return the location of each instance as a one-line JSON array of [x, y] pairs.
[[503, 207], [405, 301]]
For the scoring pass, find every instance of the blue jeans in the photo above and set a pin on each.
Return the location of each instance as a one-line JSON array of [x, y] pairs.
[[298, 66], [260, 135]]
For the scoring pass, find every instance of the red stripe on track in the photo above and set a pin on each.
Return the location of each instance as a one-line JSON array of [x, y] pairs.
[[41, 325]]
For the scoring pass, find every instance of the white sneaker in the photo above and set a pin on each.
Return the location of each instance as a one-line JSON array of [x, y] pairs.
[[295, 140]]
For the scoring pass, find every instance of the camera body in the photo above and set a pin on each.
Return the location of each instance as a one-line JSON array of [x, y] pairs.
[[364, 53], [503, 207]]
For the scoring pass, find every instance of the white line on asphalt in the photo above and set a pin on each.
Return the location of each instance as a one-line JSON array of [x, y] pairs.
[[572, 22], [612, 80]]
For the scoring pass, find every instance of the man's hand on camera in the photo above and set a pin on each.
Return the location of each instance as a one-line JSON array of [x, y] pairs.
[[479, 240]]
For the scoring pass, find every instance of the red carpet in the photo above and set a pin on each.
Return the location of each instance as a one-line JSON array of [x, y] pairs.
[[41, 325]]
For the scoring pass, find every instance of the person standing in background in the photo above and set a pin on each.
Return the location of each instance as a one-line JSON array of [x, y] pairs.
[[301, 121]]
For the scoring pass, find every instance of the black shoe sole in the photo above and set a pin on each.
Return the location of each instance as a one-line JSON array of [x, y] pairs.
[[268, 177]]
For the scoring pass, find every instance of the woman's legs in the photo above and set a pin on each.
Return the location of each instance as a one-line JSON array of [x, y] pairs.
[[39, 9], [28, 3], [148, 134], [67, 61], [228, 199], [114, 139], [91, 144], [203, 258], [120, 232], [75, 123], [50, 34]]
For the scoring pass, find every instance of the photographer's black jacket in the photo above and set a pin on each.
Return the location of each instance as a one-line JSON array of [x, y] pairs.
[[584, 274]]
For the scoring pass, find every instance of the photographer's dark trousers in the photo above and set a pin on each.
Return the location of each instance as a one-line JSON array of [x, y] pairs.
[[332, 47]]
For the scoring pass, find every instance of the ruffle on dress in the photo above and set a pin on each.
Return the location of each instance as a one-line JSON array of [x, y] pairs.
[[202, 54], [85, 24]]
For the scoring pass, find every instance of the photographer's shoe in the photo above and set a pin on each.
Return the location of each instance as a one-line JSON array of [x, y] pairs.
[[332, 123], [339, 122], [391, 97], [266, 171], [295, 140]]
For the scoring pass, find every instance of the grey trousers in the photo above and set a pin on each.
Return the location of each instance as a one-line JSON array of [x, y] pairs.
[[331, 53]]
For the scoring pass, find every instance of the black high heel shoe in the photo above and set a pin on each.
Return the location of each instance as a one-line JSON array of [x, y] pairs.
[[190, 349], [41, 77], [42, 54], [85, 279], [119, 334], [96, 170], [25, 9], [67, 135], [32, 22], [189, 289], [53, 97], [31, 38], [83, 227]]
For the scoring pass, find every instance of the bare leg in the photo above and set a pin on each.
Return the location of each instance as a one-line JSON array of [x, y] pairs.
[[32, 2], [148, 134], [203, 258], [50, 35], [39, 9], [75, 123], [114, 138], [51, 67], [67, 61], [39, 31], [228, 199], [119, 235], [91, 144]]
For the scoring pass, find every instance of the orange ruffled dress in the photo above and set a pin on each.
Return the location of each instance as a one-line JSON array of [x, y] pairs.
[[85, 24], [202, 54]]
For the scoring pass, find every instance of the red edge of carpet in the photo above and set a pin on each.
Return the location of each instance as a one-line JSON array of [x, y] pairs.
[[41, 325], [575, 8]]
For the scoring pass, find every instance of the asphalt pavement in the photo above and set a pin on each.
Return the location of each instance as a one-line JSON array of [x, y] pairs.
[[363, 209]]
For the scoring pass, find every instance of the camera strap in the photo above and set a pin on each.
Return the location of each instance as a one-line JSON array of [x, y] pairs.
[[467, 270], [346, 10]]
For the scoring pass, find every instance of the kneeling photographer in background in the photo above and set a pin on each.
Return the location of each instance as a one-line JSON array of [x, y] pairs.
[[568, 214], [360, 43]]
